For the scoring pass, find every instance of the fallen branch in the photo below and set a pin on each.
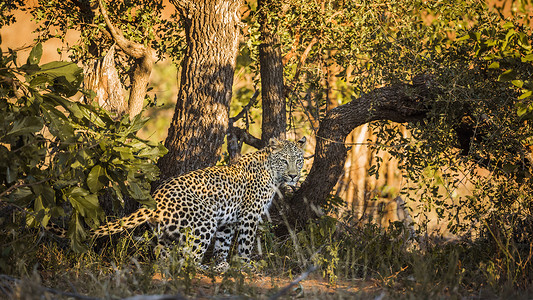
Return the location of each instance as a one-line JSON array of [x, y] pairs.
[[286, 289]]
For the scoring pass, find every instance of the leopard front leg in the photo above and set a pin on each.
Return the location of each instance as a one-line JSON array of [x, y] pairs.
[[223, 239]]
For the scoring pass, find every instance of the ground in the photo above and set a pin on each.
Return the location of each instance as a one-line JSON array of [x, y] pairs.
[[265, 287]]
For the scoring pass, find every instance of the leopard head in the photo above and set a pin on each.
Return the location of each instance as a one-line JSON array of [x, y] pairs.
[[286, 160]]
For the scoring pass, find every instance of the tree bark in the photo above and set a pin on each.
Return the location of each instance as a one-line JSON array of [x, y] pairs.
[[398, 103], [271, 68], [200, 121], [101, 76]]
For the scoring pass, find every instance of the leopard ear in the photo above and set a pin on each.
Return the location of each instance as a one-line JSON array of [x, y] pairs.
[[301, 142], [274, 143]]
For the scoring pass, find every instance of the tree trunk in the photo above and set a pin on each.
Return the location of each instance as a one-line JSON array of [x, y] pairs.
[[101, 76], [200, 121], [274, 120], [399, 103], [144, 57], [271, 67]]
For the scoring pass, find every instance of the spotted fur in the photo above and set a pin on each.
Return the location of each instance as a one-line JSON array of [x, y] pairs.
[[217, 202]]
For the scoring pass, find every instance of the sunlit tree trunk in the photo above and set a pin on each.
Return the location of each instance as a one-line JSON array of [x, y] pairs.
[[200, 121]]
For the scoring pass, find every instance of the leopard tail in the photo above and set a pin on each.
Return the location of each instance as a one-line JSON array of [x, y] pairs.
[[137, 218]]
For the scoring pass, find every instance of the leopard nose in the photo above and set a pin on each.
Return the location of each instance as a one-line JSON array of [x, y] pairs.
[[292, 177]]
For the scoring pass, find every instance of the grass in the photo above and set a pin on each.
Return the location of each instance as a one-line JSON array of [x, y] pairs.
[[349, 261]]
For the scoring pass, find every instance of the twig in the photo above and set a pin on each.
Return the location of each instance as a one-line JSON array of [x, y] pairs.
[[16, 186], [286, 289], [237, 135], [246, 108], [303, 58]]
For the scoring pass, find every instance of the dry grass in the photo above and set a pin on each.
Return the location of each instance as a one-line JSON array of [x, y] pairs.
[[363, 263]]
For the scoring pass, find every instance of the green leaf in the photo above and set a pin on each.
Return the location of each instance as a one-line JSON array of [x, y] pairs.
[[136, 191], [77, 192], [525, 95], [77, 234], [523, 109], [528, 58], [517, 83], [35, 54], [463, 38], [38, 80], [494, 65], [126, 153], [69, 70], [74, 109], [96, 178], [45, 193], [91, 115], [507, 75], [118, 194], [62, 86], [21, 195], [41, 214], [138, 123], [87, 206], [26, 125], [71, 106], [508, 25], [523, 41], [153, 152], [59, 124]]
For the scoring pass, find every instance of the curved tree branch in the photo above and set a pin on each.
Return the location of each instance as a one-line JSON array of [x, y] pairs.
[[398, 103], [247, 138], [132, 49], [144, 59]]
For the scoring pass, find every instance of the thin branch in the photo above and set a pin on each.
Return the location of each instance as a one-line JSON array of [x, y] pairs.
[[246, 137], [303, 58], [292, 52], [236, 135], [135, 50], [144, 61], [310, 118], [21, 185], [246, 109]]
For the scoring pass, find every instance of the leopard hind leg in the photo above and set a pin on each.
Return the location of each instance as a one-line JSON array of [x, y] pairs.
[[193, 239]]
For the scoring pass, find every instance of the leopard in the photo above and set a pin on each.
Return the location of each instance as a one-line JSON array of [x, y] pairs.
[[218, 204]]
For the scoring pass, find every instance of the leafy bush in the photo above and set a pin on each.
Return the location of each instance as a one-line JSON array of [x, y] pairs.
[[59, 155]]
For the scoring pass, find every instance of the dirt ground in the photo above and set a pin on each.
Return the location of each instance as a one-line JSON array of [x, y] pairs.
[[262, 287]]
